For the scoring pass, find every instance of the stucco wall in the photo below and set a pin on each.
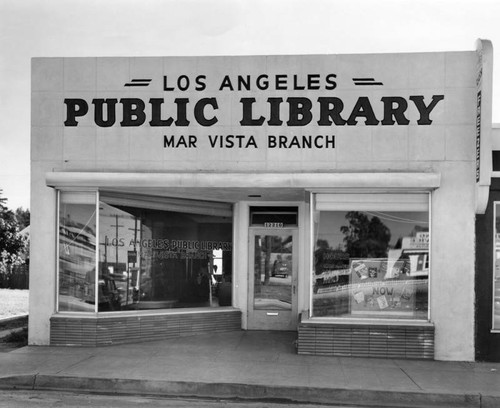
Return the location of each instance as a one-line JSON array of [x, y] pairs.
[[447, 146]]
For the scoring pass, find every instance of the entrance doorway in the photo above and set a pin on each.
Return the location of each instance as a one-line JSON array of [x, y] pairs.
[[272, 279]]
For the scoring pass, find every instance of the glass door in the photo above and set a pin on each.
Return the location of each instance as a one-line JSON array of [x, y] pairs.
[[272, 297]]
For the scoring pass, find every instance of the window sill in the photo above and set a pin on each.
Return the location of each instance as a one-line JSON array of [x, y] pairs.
[[320, 321], [139, 313]]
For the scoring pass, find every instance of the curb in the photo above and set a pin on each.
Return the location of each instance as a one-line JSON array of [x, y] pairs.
[[12, 318], [250, 392], [7, 332]]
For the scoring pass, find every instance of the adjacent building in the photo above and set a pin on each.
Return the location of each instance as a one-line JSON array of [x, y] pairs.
[[488, 266]]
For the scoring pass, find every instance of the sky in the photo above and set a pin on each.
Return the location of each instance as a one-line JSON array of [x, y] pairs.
[[94, 28]]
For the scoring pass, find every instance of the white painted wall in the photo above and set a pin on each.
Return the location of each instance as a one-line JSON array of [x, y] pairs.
[[446, 147]]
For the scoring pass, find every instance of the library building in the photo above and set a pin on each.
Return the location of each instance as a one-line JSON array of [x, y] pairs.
[[348, 198]]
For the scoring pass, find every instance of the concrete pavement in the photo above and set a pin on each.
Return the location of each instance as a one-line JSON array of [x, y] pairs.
[[250, 365]]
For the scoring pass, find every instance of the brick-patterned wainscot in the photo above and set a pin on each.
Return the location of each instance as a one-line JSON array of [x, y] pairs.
[[133, 328], [366, 340]]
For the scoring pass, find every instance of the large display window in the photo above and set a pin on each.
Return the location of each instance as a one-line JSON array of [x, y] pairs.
[[150, 254], [371, 256], [77, 250]]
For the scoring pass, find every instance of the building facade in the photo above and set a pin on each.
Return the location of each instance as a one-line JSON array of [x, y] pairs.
[[332, 195], [488, 267]]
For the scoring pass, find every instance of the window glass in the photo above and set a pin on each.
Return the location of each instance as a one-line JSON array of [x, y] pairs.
[[496, 273], [77, 256], [371, 264], [154, 259]]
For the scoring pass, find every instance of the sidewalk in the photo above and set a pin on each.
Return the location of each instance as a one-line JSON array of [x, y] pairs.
[[250, 365]]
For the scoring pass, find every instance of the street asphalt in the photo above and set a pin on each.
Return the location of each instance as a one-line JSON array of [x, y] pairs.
[[250, 365]]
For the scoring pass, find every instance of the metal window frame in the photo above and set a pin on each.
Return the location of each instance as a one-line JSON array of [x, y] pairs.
[[58, 250], [333, 319]]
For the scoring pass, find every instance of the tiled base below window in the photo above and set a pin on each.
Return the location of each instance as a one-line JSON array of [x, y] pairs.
[[365, 340], [101, 331]]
